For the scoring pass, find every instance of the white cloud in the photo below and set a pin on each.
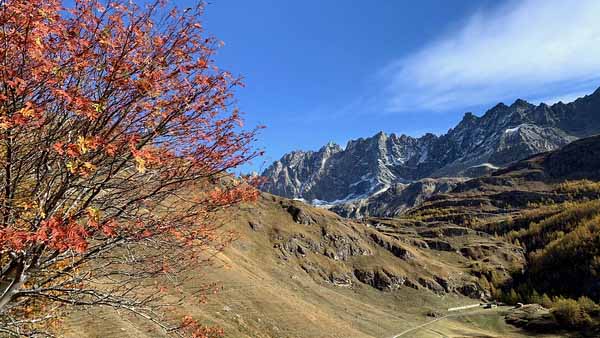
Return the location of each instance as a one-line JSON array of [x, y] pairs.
[[564, 98], [533, 48]]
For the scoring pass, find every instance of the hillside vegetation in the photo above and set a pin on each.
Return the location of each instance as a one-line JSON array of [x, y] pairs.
[[551, 211], [299, 271]]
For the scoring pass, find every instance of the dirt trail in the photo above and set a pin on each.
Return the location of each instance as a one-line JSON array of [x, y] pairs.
[[457, 314], [422, 325]]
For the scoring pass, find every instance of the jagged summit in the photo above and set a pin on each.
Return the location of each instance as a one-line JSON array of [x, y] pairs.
[[521, 105], [521, 102], [499, 106], [469, 116], [369, 166], [331, 146]]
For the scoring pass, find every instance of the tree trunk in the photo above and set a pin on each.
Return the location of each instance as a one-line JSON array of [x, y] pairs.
[[12, 281]]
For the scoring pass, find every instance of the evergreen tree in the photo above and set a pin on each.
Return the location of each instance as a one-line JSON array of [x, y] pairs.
[[546, 301]]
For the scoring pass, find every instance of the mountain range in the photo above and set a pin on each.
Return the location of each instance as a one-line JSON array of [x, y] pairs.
[[368, 167]]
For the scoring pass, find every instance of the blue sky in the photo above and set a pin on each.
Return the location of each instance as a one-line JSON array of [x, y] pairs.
[[333, 70]]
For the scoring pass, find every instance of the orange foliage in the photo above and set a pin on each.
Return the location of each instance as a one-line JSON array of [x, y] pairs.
[[116, 130]]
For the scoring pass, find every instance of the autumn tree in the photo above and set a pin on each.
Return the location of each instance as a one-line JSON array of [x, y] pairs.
[[570, 313], [117, 133]]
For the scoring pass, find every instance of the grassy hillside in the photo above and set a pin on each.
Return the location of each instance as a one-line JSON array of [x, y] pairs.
[[296, 271]]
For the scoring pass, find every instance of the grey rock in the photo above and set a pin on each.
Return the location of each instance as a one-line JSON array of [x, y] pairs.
[[299, 215], [393, 247], [431, 285], [255, 226], [436, 244], [380, 279], [340, 279], [473, 290], [397, 199]]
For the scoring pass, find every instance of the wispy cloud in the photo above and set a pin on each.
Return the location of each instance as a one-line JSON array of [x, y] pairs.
[[564, 97], [531, 49]]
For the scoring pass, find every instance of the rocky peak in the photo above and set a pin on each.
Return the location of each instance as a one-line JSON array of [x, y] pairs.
[[370, 165], [498, 108], [467, 122], [469, 117], [428, 137], [331, 148], [402, 138], [521, 105]]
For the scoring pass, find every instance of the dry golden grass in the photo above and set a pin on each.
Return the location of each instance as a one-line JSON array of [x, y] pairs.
[[264, 295]]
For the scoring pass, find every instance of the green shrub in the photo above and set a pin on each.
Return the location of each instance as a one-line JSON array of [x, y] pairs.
[[588, 306], [569, 313], [546, 301]]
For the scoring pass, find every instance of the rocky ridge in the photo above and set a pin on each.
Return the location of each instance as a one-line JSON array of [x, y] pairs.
[[367, 167], [397, 199]]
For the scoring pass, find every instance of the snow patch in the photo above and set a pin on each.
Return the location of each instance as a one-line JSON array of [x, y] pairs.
[[364, 178], [516, 129], [512, 130], [348, 199], [383, 189], [488, 165], [424, 156]]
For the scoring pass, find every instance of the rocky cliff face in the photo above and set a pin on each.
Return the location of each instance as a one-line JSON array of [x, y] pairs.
[[364, 167], [367, 167], [397, 199]]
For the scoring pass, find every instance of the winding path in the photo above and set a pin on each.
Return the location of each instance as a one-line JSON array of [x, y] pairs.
[[478, 311], [421, 326]]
